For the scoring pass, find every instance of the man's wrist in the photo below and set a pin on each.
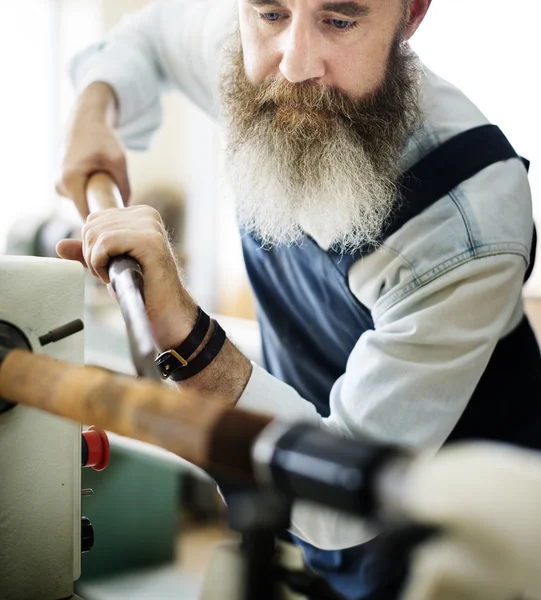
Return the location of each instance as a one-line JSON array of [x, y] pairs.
[[175, 326], [188, 358], [227, 374], [98, 101]]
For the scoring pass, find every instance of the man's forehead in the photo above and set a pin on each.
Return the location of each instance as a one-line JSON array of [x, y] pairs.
[[352, 8]]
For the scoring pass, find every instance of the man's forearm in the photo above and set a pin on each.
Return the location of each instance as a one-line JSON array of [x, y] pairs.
[[226, 376], [98, 101]]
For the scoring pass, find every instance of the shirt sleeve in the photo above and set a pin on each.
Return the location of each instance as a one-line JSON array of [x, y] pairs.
[[408, 381], [169, 45]]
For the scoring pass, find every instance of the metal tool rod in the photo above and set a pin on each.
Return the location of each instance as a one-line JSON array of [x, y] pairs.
[[127, 279]]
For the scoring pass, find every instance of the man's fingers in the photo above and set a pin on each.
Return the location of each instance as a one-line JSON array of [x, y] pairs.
[[71, 250], [111, 291], [123, 183], [108, 245], [79, 199], [74, 188]]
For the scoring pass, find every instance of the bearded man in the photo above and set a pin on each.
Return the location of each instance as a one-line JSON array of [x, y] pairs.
[[386, 227]]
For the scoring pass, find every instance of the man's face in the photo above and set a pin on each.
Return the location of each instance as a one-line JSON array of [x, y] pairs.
[[319, 100], [341, 44]]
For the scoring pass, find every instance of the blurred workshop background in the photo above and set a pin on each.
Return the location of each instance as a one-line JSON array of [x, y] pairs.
[[155, 519]]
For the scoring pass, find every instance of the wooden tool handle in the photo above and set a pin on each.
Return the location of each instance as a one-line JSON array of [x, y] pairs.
[[203, 430], [102, 193]]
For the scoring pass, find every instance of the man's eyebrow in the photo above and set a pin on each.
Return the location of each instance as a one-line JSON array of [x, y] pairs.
[[348, 9], [265, 3]]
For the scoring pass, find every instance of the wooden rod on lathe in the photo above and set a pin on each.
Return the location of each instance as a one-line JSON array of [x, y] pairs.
[[201, 429]]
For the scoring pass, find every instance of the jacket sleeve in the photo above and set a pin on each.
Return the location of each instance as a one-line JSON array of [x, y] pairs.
[[408, 381], [169, 45]]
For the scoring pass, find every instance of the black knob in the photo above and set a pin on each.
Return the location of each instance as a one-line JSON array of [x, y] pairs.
[[87, 535], [62, 332]]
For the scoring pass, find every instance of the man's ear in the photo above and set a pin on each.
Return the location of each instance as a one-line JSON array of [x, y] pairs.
[[417, 11]]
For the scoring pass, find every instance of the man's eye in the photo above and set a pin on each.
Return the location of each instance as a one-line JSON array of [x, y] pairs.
[[341, 24], [272, 16]]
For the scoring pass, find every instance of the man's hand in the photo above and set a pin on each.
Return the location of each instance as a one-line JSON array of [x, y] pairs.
[[139, 232], [92, 145]]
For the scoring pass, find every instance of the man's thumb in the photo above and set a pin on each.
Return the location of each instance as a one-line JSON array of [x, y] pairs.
[[71, 250]]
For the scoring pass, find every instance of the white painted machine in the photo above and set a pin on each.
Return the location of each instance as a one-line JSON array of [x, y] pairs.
[[40, 454], [42, 533]]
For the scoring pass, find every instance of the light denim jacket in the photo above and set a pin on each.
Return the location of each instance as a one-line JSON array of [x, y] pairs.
[[442, 290]]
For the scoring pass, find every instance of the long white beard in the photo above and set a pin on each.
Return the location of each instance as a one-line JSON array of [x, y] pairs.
[[333, 192]]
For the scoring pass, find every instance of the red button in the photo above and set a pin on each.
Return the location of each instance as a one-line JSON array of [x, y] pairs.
[[98, 448]]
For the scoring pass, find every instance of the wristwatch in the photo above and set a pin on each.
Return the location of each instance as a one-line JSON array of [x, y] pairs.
[[175, 358]]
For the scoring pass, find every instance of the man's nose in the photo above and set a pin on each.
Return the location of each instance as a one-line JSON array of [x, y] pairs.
[[301, 56]]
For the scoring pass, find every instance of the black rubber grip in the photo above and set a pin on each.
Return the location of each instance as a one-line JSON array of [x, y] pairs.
[[316, 465]]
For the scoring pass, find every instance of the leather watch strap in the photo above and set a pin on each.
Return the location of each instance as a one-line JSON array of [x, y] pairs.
[[204, 358], [170, 360]]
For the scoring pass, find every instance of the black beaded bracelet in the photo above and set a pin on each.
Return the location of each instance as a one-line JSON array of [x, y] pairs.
[[204, 358], [170, 360]]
